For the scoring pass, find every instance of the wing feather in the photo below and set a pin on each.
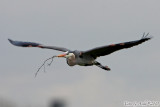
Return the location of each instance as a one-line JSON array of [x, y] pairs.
[[32, 44], [106, 50]]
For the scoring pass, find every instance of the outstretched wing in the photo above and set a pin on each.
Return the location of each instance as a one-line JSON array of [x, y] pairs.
[[106, 50], [32, 44]]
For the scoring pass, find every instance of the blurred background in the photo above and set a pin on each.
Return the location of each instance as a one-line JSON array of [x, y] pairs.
[[81, 25]]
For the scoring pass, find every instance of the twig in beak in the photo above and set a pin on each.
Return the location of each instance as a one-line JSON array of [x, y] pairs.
[[44, 64]]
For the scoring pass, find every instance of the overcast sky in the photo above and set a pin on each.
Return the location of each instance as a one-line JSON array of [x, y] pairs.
[[81, 25]]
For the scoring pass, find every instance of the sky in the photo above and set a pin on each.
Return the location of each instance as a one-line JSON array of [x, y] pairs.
[[79, 25]]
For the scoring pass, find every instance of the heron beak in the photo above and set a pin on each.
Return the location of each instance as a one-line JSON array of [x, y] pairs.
[[61, 55]]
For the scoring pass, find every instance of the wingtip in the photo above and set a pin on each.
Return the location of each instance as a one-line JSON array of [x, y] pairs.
[[151, 37], [10, 40], [146, 37]]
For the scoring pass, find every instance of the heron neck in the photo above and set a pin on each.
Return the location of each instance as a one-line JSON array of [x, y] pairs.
[[71, 57]]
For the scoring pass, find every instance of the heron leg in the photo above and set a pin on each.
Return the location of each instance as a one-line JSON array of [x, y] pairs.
[[101, 66]]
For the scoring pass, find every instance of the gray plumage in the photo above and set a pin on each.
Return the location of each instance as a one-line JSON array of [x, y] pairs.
[[85, 58]]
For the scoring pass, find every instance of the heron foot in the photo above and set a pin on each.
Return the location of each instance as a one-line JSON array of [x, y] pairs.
[[101, 66], [106, 68]]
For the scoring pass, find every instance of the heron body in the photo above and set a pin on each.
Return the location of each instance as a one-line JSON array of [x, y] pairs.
[[82, 60], [85, 58], [76, 58]]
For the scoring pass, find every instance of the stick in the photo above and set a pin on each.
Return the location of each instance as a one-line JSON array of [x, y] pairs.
[[44, 64]]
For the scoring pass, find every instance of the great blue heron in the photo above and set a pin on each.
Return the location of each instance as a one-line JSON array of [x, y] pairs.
[[85, 58]]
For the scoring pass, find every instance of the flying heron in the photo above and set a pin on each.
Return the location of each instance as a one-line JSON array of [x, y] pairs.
[[85, 58]]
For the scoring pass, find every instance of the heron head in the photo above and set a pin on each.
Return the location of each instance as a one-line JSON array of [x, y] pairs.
[[66, 55]]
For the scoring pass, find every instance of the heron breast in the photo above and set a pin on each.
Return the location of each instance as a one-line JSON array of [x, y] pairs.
[[71, 62]]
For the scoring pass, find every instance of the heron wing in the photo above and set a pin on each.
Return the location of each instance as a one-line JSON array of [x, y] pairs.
[[106, 50], [32, 44]]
